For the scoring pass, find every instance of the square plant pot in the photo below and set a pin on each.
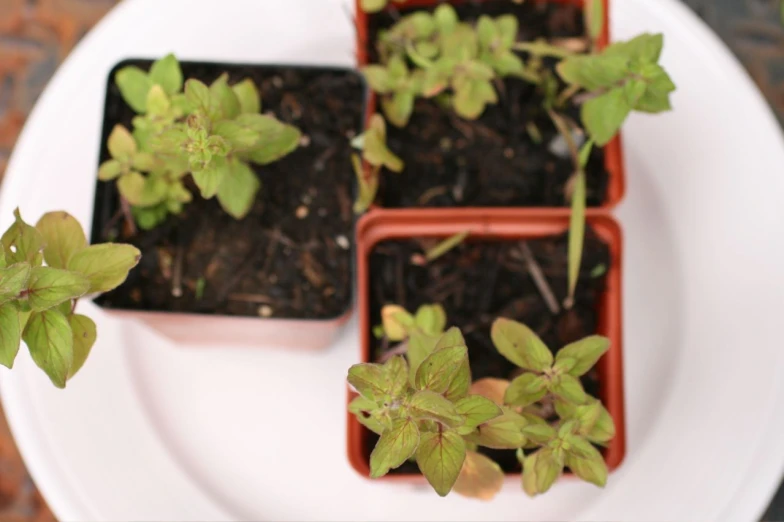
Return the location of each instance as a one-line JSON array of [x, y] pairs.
[[282, 275], [491, 231], [503, 161]]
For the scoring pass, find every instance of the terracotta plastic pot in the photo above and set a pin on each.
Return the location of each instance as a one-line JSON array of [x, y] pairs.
[[207, 329], [613, 151], [501, 225]]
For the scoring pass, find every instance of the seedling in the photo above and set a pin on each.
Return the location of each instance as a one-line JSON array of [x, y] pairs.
[[625, 77], [424, 407], [453, 60], [376, 155], [38, 303], [212, 133]]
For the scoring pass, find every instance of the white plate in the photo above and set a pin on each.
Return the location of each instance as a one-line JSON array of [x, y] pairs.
[[151, 431]]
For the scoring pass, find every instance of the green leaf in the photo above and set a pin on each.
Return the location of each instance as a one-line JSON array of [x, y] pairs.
[[540, 471], [594, 18], [238, 190], [145, 162], [576, 232], [63, 236], [360, 404], [657, 94], [398, 107], [432, 320], [541, 49], [48, 287], [586, 353], [140, 190], [396, 321], [520, 345], [369, 380], [445, 18], [10, 334], [593, 72], [198, 95], [22, 242], [225, 98], [428, 405], [439, 369], [645, 48], [106, 266], [461, 382], [420, 346], [240, 137], [595, 422], [110, 170], [158, 103], [540, 433], [210, 178], [121, 143], [248, 95], [440, 458], [486, 31], [525, 390], [479, 478], [375, 149], [477, 410], [50, 340], [84, 335], [166, 72], [13, 280], [372, 6], [503, 432], [377, 78], [604, 115], [395, 446], [134, 84], [276, 141], [472, 98], [587, 463], [569, 389], [396, 376]]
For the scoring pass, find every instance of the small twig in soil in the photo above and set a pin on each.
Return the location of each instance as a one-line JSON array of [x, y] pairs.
[[177, 272], [431, 193], [251, 298], [539, 279]]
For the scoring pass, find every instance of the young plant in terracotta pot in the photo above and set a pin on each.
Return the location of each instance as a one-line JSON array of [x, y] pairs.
[[38, 302], [482, 97], [235, 181], [491, 273]]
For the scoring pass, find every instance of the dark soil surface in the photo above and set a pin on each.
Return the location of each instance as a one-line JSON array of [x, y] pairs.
[[493, 161], [480, 281], [291, 257]]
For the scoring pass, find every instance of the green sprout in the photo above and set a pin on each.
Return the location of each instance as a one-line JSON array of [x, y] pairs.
[[376, 155], [456, 61], [625, 77], [424, 407], [38, 303], [212, 133]]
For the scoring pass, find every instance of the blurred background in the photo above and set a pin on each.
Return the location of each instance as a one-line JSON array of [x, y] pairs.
[[37, 35]]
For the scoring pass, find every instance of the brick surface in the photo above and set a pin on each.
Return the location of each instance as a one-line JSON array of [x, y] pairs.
[[35, 35]]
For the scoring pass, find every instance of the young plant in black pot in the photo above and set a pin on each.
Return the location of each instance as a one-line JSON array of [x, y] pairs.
[[236, 181]]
